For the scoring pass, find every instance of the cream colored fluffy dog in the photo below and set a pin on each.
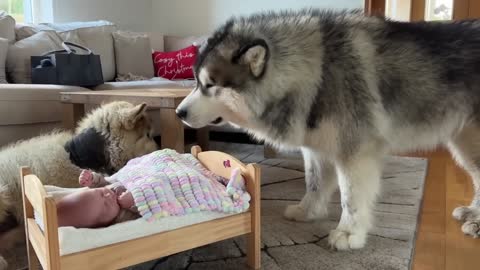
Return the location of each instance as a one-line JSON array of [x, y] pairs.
[[104, 141]]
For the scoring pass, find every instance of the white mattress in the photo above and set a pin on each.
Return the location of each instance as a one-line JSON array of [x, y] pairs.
[[74, 240]]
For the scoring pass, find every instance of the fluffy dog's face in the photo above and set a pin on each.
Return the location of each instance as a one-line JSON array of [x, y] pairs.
[[225, 73], [110, 136]]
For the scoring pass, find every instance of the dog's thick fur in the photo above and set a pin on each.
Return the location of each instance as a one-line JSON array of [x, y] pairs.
[[104, 141], [347, 90]]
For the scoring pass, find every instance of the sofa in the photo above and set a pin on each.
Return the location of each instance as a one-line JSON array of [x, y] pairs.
[[27, 110]]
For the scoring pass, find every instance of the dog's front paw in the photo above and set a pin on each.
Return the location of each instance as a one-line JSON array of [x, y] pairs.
[[343, 240], [462, 213], [470, 215], [472, 228], [86, 178]]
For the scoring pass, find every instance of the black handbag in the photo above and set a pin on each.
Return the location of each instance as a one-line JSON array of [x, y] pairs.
[[67, 67]]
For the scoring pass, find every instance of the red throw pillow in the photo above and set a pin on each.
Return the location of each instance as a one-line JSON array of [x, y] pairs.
[[176, 64]]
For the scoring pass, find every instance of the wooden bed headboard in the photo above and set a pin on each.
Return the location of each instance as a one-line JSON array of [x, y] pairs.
[[223, 164]]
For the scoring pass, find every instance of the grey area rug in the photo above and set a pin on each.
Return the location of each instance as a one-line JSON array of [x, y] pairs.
[[291, 245]]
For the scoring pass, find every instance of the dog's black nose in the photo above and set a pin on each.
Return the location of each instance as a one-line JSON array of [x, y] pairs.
[[182, 114]]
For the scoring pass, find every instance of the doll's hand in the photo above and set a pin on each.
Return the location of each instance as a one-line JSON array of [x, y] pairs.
[[86, 178], [125, 200]]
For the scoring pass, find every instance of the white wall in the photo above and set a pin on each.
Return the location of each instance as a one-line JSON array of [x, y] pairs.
[[196, 17], [133, 15]]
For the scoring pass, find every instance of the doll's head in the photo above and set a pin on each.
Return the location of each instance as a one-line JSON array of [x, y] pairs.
[[89, 208]]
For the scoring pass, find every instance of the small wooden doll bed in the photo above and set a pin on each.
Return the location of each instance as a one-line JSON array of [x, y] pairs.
[[44, 247]]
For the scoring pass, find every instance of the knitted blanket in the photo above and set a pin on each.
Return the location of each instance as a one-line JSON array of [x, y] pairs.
[[166, 183]]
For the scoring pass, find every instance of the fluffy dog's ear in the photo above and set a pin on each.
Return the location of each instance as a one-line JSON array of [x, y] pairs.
[[133, 115], [255, 55]]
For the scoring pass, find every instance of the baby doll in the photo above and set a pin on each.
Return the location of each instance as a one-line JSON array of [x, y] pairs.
[[166, 183], [160, 184], [92, 208]]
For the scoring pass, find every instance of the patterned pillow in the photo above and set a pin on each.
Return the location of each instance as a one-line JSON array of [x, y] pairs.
[[176, 64]]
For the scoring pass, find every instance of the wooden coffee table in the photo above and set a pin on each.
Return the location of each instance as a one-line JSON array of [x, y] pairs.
[[166, 100]]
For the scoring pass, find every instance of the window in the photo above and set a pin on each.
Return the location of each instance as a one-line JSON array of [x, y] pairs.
[[439, 10], [18, 9], [398, 10]]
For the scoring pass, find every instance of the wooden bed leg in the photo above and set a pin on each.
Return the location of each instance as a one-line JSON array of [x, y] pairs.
[[51, 234], [253, 238], [33, 262]]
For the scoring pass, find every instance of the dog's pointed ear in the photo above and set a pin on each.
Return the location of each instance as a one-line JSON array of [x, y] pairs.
[[255, 55], [133, 115]]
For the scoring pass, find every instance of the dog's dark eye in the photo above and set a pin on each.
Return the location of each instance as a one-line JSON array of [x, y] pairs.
[[208, 85]]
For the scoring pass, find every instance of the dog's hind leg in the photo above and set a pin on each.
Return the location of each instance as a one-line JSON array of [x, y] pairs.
[[359, 182], [465, 147], [321, 182]]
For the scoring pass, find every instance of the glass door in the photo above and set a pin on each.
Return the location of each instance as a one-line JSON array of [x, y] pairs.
[[438, 10]]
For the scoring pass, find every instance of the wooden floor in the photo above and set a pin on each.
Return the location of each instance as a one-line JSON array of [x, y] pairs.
[[440, 243]]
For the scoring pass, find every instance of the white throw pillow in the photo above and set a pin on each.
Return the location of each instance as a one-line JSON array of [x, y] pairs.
[[7, 27], [23, 31], [18, 58], [3, 59], [133, 54], [175, 43]]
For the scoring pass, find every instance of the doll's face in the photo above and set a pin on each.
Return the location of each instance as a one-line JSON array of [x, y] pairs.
[[104, 200], [89, 208]]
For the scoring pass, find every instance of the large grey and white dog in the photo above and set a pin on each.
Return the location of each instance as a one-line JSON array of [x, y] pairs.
[[347, 90]]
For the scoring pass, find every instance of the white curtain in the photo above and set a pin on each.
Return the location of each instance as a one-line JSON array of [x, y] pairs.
[[41, 10]]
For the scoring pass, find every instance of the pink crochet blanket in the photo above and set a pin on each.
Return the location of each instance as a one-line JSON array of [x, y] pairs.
[[166, 183]]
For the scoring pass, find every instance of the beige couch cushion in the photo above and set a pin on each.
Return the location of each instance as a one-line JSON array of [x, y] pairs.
[[13, 133], [174, 43], [7, 27], [28, 110], [133, 54], [72, 36], [18, 59], [30, 103], [99, 39], [3, 59], [156, 41]]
